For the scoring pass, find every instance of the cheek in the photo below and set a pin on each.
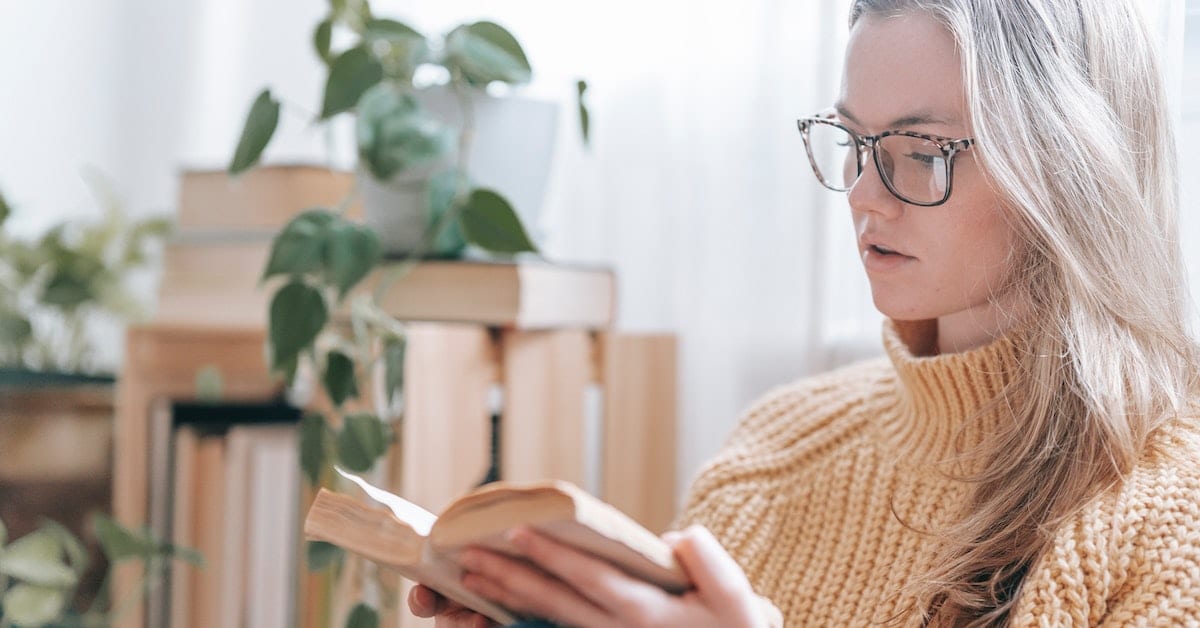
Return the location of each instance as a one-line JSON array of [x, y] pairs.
[[979, 252]]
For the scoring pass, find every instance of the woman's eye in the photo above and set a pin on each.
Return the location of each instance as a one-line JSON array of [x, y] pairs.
[[924, 159]]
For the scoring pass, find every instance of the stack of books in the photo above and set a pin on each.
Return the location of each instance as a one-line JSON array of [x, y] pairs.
[[226, 481], [212, 268]]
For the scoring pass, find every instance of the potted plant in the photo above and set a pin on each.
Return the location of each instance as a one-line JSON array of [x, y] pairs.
[[51, 288], [56, 416], [417, 160], [419, 105], [41, 571]]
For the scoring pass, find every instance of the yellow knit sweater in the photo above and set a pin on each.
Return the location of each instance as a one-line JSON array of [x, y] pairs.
[[802, 497]]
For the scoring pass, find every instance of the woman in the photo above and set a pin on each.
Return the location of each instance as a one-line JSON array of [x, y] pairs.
[[1026, 453]]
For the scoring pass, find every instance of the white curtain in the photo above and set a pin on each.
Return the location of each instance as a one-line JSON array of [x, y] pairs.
[[696, 188]]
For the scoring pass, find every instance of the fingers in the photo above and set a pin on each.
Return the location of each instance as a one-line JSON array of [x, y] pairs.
[[425, 602], [601, 582], [527, 590], [717, 576], [463, 618]]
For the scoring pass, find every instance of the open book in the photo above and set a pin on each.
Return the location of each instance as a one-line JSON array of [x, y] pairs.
[[423, 546]]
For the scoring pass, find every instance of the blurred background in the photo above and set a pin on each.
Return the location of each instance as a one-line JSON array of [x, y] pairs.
[[695, 187]]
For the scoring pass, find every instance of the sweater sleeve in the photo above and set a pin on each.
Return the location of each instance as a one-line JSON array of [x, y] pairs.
[[1162, 583], [1132, 558]]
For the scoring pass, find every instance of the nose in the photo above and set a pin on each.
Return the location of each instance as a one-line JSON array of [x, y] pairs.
[[870, 194]]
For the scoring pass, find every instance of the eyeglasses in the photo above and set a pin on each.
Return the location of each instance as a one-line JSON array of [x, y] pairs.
[[915, 168]]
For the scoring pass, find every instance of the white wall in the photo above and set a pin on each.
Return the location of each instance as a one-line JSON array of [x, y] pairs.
[[696, 188]]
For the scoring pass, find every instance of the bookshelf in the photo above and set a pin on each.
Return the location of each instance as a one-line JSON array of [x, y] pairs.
[[547, 378]]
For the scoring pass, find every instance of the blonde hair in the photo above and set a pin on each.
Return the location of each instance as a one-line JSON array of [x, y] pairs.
[[1067, 105]]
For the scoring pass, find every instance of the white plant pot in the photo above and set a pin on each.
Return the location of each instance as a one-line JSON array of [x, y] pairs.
[[511, 153]]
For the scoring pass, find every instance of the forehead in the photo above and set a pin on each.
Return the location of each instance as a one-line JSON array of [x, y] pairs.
[[902, 66]]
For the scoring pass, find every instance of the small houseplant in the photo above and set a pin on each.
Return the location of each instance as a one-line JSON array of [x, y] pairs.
[[402, 144], [52, 287], [55, 405], [40, 571], [320, 257]]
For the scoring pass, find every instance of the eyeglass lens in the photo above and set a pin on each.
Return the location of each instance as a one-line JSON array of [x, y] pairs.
[[915, 168]]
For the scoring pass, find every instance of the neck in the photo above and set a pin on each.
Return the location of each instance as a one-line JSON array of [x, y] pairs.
[[977, 326]]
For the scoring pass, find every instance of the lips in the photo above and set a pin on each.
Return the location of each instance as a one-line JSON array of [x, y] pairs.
[[882, 247]]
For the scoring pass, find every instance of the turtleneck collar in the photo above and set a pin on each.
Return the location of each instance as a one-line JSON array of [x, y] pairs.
[[937, 395]]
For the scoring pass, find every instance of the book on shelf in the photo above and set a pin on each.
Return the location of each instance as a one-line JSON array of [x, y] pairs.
[[225, 480], [423, 546], [518, 294], [215, 279], [264, 198]]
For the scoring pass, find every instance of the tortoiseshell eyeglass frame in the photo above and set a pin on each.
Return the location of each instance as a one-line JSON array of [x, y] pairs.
[[867, 143]]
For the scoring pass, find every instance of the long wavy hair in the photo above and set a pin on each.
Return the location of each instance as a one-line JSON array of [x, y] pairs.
[[1067, 104]]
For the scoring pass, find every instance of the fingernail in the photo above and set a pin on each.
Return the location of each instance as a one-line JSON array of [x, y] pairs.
[[518, 537]]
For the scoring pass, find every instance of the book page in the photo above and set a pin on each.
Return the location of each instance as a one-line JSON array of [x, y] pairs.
[[420, 519]]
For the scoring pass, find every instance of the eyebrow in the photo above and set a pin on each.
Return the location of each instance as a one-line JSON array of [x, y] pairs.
[[913, 119]]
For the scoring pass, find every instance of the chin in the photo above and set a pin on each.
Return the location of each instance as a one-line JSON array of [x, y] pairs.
[[902, 309]]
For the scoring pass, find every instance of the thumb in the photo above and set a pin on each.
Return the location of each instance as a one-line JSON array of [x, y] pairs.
[[717, 576]]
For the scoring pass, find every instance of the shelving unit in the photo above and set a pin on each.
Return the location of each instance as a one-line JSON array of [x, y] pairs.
[[546, 378]]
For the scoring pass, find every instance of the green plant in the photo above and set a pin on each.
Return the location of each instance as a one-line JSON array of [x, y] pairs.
[[374, 77], [317, 320], [50, 288], [40, 571]]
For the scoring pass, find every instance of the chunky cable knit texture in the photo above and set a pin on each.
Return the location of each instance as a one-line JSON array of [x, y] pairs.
[[807, 492]]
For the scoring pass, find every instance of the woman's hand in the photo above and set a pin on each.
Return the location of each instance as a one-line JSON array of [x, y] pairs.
[[425, 602], [571, 587]]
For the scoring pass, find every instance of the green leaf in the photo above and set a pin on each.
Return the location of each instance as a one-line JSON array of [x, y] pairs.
[[77, 555], [37, 558], [393, 361], [68, 290], [120, 543], [322, 39], [186, 554], [312, 446], [260, 126], [300, 246], [490, 222], [363, 616], [322, 554], [151, 228], [5, 209], [15, 329], [362, 440], [351, 251], [297, 315], [391, 30], [29, 605], [584, 117], [402, 47], [340, 382], [395, 134], [351, 74], [353, 13], [486, 52], [210, 384], [443, 190]]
